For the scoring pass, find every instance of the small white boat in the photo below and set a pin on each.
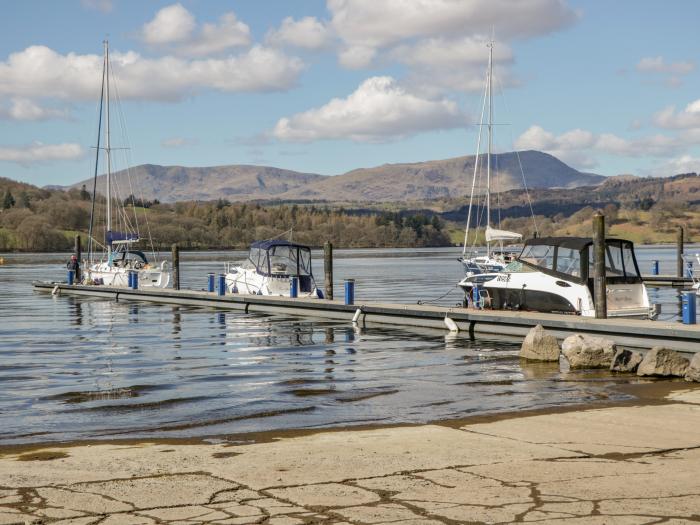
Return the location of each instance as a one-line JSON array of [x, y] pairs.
[[118, 259], [555, 274], [269, 270]]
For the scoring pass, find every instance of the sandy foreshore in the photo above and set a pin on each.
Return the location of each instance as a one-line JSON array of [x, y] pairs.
[[637, 462]]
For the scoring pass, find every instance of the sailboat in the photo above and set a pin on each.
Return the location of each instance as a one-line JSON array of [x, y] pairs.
[[497, 254], [119, 257]]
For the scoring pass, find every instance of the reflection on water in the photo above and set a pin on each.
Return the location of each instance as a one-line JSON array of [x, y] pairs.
[[78, 368]]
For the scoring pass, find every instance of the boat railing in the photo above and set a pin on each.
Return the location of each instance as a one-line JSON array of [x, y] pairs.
[[692, 267]]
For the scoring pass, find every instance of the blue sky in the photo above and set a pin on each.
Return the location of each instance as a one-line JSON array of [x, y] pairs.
[[325, 87]]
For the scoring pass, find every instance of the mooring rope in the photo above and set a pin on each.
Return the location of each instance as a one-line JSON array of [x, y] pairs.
[[432, 301]]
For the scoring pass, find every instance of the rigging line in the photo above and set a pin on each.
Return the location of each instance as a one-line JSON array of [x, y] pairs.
[[97, 159], [520, 165], [497, 178], [476, 167], [128, 163], [481, 210], [122, 127], [429, 301]]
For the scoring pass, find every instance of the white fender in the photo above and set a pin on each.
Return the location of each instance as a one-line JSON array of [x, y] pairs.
[[356, 317], [56, 290], [451, 325]]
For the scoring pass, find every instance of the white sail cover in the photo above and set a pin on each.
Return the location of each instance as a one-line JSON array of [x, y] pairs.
[[501, 235]]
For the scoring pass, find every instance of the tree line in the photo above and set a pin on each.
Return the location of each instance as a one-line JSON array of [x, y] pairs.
[[34, 219]]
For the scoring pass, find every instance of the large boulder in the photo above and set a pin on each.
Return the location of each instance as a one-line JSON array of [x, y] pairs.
[[626, 361], [660, 361], [693, 371], [585, 351], [540, 346]]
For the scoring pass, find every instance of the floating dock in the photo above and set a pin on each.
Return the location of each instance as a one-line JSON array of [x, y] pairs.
[[628, 332], [667, 280]]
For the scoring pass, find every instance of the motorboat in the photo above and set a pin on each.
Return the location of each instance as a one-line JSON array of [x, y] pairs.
[[555, 274], [269, 270], [118, 257]]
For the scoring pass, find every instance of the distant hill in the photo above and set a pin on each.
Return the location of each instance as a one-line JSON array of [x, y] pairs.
[[450, 178]]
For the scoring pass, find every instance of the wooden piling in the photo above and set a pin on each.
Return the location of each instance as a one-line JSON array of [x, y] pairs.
[[176, 266], [78, 249], [679, 253], [599, 288], [328, 269]]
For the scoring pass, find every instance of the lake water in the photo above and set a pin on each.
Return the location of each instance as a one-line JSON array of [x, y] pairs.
[[84, 368]]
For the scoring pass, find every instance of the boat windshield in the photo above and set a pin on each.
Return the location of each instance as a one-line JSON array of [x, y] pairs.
[[282, 260], [541, 255], [569, 261], [129, 259], [518, 267], [619, 260]]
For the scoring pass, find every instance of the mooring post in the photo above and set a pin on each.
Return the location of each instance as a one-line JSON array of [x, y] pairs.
[[689, 307], [679, 252], [176, 266], [599, 289], [79, 255], [328, 268]]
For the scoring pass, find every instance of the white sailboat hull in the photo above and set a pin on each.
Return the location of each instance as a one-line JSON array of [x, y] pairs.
[[119, 277]]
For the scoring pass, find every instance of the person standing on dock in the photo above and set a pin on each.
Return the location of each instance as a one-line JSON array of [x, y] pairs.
[[74, 265]]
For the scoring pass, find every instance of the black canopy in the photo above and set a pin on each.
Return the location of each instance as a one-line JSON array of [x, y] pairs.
[[575, 243]]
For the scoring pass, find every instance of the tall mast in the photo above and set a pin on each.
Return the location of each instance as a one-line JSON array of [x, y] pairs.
[[490, 141], [97, 161], [109, 158]]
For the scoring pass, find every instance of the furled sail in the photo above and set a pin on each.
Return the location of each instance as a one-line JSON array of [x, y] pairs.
[[117, 237], [493, 234]]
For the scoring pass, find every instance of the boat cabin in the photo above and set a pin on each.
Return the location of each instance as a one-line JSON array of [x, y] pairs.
[[572, 258], [283, 259], [133, 259]]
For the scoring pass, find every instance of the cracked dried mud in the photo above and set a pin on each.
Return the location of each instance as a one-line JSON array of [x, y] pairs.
[[625, 464]]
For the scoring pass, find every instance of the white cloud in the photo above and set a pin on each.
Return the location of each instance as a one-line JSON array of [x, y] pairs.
[[38, 71], [171, 24], [451, 52], [458, 64], [306, 33], [176, 27], [682, 164], [214, 38], [178, 142], [378, 110], [659, 65], [357, 57], [687, 118], [26, 109], [38, 152], [578, 146], [366, 25]]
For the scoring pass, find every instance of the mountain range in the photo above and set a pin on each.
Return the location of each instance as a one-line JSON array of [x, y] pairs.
[[449, 178]]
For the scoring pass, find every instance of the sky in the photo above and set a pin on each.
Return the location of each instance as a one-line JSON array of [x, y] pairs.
[[330, 86]]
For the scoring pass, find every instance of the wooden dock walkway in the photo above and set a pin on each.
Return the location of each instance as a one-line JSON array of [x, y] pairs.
[[628, 332]]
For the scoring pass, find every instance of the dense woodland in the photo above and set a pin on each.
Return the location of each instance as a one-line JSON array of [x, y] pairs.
[[34, 219], [644, 210]]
